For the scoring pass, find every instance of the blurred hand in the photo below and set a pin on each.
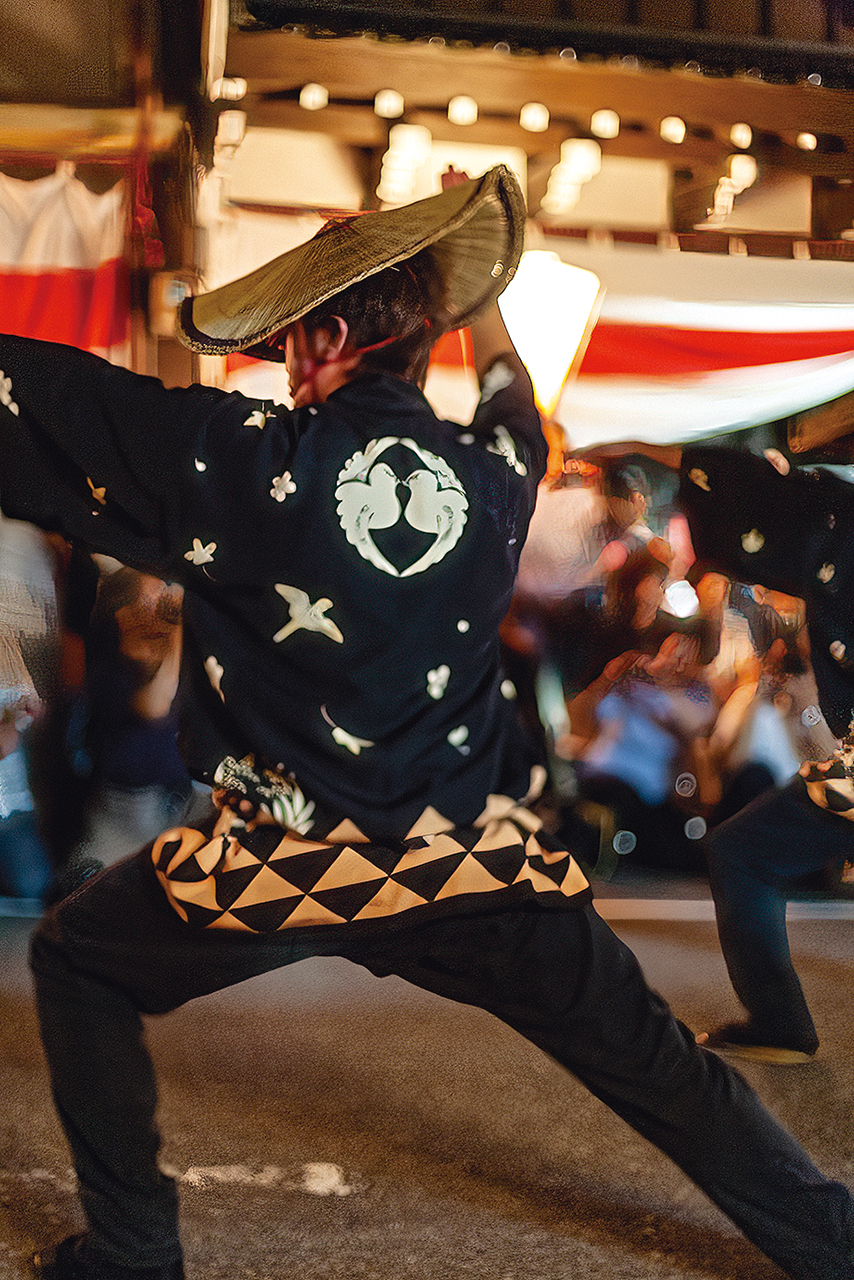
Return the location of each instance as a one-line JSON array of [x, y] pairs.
[[677, 657]]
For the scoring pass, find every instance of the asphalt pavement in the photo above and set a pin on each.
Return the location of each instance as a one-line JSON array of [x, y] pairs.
[[327, 1124]]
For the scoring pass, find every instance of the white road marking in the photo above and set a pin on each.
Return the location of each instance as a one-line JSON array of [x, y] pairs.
[[318, 1178]]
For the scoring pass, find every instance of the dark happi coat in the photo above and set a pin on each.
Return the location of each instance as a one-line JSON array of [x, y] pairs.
[[345, 567]]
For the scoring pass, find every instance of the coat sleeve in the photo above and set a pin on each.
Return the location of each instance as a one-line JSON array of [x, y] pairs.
[[760, 526], [793, 533], [95, 452], [506, 410]]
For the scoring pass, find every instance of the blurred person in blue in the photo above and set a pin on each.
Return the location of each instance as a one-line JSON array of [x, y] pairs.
[[137, 782], [29, 648]]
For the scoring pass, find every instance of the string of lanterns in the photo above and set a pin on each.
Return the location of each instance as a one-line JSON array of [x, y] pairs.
[[580, 157]]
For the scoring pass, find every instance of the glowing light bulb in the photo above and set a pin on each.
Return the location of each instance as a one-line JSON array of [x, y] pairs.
[[534, 117], [672, 129], [462, 110], [313, 97], [605, 123], [388, 104]]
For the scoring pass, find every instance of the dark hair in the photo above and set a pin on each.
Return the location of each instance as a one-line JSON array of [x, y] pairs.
[[400, 307], [624, 479]]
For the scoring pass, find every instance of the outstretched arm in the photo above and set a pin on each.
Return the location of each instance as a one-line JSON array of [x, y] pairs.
[[490, 340], [489, 335]]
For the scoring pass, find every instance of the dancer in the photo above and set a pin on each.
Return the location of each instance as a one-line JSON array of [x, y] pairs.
[[345, 566]]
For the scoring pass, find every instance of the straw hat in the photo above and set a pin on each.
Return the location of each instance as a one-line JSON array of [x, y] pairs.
[[476, 231]]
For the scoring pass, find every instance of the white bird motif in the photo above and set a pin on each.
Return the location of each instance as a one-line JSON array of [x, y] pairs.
[[350, 741], [367, 499], [369, 503], [431, 509], [306, 616], [343, 738]]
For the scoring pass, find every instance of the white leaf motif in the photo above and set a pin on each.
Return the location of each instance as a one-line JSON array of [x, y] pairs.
[[293, 811], [215, 673], [350, 741]]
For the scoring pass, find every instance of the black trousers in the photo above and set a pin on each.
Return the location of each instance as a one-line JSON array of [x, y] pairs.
[[116, 949], [753, 860]]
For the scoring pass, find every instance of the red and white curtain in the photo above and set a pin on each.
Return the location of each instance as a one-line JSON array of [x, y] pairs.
[[62, 273], [663, 370], [687, 345]]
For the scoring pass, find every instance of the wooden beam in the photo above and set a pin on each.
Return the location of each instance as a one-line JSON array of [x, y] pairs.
[[81, 133], [429, 75]]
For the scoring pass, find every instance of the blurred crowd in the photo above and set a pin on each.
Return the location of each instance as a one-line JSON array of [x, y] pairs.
[[89, 763], [664, 696]]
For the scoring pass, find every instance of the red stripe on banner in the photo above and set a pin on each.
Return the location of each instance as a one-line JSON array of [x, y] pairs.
[[81, 308], [635, 350]]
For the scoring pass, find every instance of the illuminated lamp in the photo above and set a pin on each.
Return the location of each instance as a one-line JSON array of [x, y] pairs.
[[549, 309], [807, 141], [742, 171], [388, 104], [409, 148], [741, 135], [672, 129], [580, 159], [605, 123], [313, 97], [462, 110], [534, 117]]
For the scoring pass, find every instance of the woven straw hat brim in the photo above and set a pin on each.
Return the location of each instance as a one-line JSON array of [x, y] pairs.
[[476, 231]]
